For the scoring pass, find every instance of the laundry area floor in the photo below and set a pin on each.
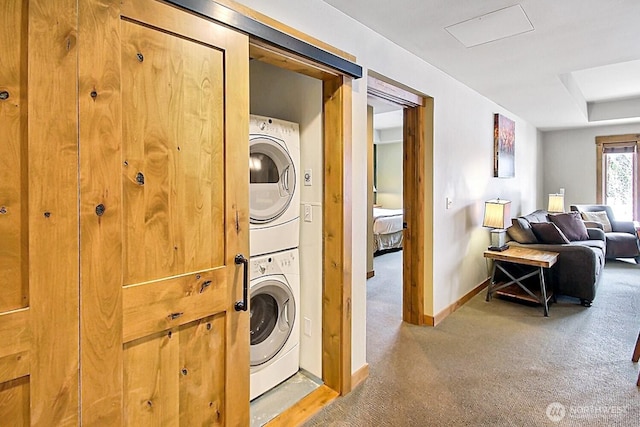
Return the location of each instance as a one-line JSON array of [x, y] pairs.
[[271, 404]]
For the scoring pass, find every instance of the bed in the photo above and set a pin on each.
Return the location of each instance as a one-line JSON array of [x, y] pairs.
[[387, 229]]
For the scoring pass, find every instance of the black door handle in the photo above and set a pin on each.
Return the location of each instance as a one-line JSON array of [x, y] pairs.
[[244, 304]]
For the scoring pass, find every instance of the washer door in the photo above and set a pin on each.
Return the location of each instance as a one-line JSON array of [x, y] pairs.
[[272, 179], [272, 314]]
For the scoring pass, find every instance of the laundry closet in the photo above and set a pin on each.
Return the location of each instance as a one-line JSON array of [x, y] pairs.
[[124, 209], [281, 99]]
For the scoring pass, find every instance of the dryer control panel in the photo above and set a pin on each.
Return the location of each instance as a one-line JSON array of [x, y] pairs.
[[275, 127]]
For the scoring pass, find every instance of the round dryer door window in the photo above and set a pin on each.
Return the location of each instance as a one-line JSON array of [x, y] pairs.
[[272, 178], [272, 313]]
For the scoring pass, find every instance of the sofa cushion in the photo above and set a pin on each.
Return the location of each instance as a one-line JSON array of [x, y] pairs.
[[521, 231], [621, 245], [571, 225], [594, 244], [536, 216], [548, 232], [600, 216]]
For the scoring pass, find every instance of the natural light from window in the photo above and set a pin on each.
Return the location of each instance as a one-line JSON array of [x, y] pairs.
[[619, 184]]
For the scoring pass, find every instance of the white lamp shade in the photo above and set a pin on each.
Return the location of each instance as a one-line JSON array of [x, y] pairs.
[[556, 203], [497, 213]]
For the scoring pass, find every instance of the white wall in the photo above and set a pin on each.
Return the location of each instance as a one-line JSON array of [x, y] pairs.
[[389, 171], [463, 162], [570, 161], [285, 95]]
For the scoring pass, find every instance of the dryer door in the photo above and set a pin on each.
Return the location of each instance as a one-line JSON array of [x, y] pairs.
[[272, 314], [272, 179]]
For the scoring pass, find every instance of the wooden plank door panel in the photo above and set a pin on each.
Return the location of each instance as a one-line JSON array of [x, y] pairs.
[[163, 304], [38, 213], [14, 223], [173, 220], [14, 401], [14, 283], [202, 372], [173, 138], [151, 381]]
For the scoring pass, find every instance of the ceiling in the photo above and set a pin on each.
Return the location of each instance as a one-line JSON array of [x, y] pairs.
[[557, 64]]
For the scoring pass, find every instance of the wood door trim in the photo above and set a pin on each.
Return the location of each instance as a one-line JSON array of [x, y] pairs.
[[253, 14], [305, 408], [336, 307], [288, 61], [417, 193], [270, 35], [414, 211], [392, 93]]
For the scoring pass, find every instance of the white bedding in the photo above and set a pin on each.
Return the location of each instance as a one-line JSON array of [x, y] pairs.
[[387, 221]]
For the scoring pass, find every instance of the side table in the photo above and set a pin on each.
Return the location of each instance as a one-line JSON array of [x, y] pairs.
[[522, 256]]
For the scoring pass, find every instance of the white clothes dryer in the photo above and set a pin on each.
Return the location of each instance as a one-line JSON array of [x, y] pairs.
[[274, 291], [274, 183]]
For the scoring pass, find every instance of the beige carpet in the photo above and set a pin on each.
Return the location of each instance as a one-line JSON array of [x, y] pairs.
[[498, 363]]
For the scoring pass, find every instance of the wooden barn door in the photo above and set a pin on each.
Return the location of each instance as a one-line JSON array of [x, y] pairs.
[[123, 205], [163, 214]]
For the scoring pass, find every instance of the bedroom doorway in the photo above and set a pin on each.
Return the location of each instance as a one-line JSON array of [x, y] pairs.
[[398, 116]]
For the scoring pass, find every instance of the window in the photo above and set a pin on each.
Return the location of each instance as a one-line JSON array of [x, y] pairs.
[[617, 174]]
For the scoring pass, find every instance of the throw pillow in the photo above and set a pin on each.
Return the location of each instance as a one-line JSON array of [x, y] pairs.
[[599, 216], [548, 232], [521, 232], [571, 225]]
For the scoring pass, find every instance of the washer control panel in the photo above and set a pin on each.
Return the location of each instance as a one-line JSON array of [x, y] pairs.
[[278, 263]]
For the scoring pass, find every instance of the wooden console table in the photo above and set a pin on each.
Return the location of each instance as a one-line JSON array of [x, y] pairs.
[[514, 288]]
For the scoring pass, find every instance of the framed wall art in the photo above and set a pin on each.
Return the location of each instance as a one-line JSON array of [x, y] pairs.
[[504, 142]]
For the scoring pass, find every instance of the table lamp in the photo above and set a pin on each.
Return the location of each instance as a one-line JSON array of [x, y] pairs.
[[556, 203], [497, 215]]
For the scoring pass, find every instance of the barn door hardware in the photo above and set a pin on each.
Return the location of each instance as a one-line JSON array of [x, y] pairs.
[[244, 304]]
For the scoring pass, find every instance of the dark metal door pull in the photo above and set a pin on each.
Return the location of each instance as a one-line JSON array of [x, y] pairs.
[[244, 304]]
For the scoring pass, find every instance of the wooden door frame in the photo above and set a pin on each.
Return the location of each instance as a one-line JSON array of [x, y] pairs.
[[417, 274], [337, 216], [336, 75]]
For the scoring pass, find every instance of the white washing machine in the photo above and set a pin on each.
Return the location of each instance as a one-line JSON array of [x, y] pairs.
[[274, 169], [274, 291]]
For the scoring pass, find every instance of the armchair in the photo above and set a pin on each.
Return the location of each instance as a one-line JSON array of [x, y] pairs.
[[622, 239]]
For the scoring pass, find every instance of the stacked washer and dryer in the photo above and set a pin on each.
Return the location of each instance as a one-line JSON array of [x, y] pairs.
[[274, 164]]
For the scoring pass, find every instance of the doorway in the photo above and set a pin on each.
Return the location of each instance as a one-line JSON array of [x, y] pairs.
[[386, 217], [417, 190]]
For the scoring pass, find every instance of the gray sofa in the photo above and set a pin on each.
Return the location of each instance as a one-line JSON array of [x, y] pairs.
[[579, 264], [621, 236]]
